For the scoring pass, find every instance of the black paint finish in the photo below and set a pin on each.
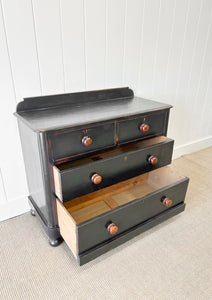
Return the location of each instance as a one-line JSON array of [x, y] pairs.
[[45, 102], [78, 113], [93, 232], [114, 166], [129, 130], [117, 240], [51, 129], [68, 143]]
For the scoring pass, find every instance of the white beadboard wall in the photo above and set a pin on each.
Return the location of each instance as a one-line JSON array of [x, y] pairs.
[[162, 49]]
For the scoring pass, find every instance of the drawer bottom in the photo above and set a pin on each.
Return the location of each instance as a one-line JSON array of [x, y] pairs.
[[94, 252]]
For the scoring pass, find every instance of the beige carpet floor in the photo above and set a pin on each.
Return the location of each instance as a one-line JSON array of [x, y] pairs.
[[171, 261]]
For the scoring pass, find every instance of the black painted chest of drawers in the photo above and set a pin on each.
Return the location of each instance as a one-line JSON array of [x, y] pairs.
[[96, 166]]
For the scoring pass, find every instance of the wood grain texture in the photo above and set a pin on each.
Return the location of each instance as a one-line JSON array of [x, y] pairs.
[[57, 182], [90, 211], [67, 228], [106, 193], [96, 203]]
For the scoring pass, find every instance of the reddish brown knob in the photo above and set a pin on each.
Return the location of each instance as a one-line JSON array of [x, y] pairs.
[[144, 127], [166, 201], [152, 160], [96, 179], [86, 141], [112, 228]]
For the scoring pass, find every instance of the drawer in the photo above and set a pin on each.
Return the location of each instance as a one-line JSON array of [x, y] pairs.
[[77, 178], [142, 127], [105, 215], [65, 144]]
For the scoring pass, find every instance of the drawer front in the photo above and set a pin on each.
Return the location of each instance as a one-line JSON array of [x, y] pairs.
[[94, 232], [132, 129], [92, 253], [75, 182], [67, 143]]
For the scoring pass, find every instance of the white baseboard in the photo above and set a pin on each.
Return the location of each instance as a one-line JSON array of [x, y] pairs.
[[191, 147], [14, 208]]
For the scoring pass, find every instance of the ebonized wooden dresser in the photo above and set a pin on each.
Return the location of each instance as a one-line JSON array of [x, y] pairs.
[[96, 165]]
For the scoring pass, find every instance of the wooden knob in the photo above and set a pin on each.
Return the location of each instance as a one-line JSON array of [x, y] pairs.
[[86, 141], [96, 179], [152, 160], [166, 201], [144, 127], [112, 228]]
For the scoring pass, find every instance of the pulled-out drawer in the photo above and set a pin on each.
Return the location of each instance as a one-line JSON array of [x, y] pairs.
[[77, 178], [70, 142], [90, 221]]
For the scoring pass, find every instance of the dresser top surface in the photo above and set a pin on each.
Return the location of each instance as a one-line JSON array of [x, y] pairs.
[[77, 114]]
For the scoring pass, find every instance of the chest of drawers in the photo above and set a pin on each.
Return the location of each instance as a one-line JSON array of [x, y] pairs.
[[96, 166]]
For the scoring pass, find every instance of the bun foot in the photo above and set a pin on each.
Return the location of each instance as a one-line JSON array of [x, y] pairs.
[[55, 243], [32, 212]]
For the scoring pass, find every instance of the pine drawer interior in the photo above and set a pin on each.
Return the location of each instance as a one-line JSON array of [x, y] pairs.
[[87, 207]]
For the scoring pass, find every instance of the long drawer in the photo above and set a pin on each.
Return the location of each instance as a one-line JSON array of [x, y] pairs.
[[77, 178], [93, 219]]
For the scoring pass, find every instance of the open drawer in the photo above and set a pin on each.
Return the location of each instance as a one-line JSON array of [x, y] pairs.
[[91, 220], [76, 178]]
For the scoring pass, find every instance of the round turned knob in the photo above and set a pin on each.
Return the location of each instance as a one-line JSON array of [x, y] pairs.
[[144, 127], [152, 160], [166, 201], [112, 228], [86, 141], [96, 179]]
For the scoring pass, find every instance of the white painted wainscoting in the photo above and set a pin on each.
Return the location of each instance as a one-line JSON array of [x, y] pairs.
[[162, 49]]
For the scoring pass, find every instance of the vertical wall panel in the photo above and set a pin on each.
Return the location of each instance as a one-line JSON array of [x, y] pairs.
[[72, 20], [207, 109], [183, 66], [178, 39], [162, 47], [115, 42], [133, 38], [177, 44], [22, 47], [191, 29], [94, 11], [2, 192], [148, 49], [49, 44], [204, 81], [11, 160], [197, 60]]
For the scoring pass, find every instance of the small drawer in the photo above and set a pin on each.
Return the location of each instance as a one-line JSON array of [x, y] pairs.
[[65, 144], [142, 127], [105, 215], [77, 178]]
